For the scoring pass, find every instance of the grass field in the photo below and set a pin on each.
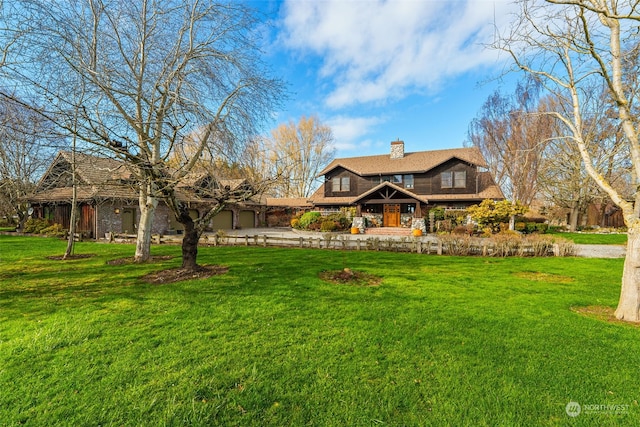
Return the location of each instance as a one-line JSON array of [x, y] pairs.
[[594, 238], [442, 341]]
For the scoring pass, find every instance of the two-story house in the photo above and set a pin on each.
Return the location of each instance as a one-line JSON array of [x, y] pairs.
[[393, 188]]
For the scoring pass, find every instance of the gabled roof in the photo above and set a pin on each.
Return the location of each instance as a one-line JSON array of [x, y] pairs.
[[102, 178], [394, 188], [417, 162], [90, 170]]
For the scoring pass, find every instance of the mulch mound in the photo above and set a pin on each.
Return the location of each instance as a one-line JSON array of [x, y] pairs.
[[131, 260], [602, 313], [174, 275], [347, 276], [70, 257]]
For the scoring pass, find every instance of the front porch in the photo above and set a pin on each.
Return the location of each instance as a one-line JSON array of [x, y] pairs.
[[390, 206]]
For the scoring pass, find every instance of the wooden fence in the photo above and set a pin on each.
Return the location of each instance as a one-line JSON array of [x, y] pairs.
[[421, 245]]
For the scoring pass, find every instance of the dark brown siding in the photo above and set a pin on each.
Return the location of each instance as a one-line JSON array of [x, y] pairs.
[[433, 179], [428, 183], [354, 180]]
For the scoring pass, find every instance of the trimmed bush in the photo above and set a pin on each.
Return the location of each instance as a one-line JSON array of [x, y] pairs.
[[328, 225], [36, 225], [55, 230], [308, 218]]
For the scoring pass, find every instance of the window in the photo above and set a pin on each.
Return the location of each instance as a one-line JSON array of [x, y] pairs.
[[395, 179], [408, 181], [345, 183], [340, 184], [446, 179], [457, 179], [335, 184]]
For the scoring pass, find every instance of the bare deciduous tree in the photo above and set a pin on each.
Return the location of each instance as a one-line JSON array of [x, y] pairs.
[[297, 153], [512, 134], [576, 47], [25, 152], [152, 73]]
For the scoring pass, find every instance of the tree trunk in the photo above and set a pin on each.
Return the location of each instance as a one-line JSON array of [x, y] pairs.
[[148, 206], [629, 304], [73, 221], [573, 217], [189, 242]]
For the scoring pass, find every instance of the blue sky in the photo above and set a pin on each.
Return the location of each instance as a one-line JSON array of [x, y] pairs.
[[377, 71]]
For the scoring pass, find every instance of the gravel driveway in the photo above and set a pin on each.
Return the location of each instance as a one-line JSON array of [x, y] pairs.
[[601, 251]]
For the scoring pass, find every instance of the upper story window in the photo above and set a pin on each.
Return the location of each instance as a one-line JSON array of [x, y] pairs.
[[453, 179], [340, 184], [394, 179], [408, 181]]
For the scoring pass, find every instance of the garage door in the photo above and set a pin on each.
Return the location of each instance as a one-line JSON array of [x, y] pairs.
[[222, 221], [247, 219]]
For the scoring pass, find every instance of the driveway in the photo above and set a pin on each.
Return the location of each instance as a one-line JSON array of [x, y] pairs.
[[586, 251], [601, 251]]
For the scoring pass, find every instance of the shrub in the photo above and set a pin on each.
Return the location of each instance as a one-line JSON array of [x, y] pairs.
[[457, 244], [342, 221], [36, 225], [54, 230], [328, 225], [493, 214], [295, 223], [438, 214], [308, 218]]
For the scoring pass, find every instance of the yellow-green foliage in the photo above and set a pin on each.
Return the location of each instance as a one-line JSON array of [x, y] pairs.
[[490, 213]]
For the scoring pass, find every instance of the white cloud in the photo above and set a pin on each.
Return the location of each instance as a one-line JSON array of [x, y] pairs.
[[379, 50], [349, 131]]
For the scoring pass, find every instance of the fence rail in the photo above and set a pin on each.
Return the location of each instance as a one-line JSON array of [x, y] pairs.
[[422, 245]]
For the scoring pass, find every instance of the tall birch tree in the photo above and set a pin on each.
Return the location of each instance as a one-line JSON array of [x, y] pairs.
[[576, 47]]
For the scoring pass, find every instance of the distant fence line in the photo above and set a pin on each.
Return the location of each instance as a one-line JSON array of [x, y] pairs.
[[441, 245]]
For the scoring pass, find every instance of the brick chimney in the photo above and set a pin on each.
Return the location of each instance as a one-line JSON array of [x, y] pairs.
[[397, 149]]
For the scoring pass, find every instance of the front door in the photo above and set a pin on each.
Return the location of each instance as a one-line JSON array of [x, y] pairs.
[[128, 221], [391, 216]]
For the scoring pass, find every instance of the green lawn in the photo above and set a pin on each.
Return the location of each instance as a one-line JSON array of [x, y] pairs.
[[594, 238], [442, 341]]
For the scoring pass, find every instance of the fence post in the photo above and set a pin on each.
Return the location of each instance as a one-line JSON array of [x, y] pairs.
[[264, 242], [439, 252], [246, 240], [419, 246]]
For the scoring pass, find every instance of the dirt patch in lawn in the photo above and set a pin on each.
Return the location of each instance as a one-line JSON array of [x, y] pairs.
[[544, 277], [174, 275], [347, 276], [603, 313], [70, 257], [131, 260]]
